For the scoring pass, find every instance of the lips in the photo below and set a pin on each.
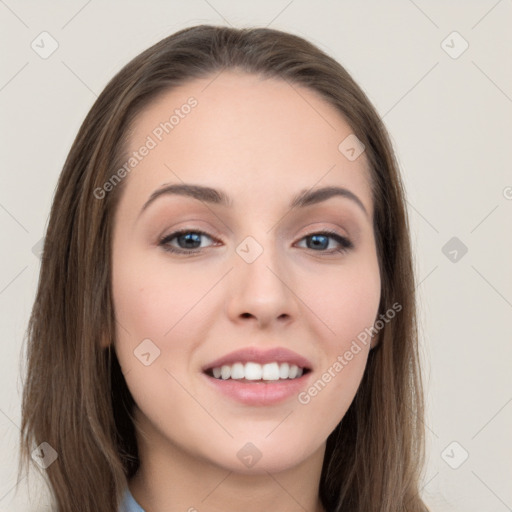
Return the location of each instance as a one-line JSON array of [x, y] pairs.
[[255, 355], [253, 391]]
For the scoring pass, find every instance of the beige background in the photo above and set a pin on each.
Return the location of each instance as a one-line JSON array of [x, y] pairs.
[[450, 119]]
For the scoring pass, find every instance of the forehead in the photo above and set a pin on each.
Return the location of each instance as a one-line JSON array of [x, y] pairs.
[[245, 132]]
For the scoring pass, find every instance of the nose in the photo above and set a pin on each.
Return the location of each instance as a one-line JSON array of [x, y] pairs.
[[262, 292]]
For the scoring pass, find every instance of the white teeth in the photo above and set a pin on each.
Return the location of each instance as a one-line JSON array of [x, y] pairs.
[[271, 371], [225, 372], [255, 371], [237, 371]]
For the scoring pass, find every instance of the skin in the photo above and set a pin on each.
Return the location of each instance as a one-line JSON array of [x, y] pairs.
[[261, 141]]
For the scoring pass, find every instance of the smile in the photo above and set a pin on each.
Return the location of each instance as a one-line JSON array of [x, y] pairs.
[[252, 371]]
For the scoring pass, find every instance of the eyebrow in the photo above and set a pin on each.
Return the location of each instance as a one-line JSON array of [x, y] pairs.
[[306, 197]]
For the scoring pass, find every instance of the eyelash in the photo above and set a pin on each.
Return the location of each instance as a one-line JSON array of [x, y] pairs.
[[345, 244]]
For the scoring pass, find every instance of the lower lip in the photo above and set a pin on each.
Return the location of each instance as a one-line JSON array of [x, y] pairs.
[[259, 392]]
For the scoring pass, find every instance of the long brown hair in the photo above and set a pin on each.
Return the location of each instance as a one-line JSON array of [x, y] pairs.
[[75, 397]]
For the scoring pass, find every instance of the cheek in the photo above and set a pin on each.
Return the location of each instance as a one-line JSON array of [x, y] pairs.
[[154, 302], [347, 302], [347, 305], [149, 298]]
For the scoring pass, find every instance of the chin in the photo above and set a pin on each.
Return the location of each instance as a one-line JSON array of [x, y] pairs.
[[264, 456]]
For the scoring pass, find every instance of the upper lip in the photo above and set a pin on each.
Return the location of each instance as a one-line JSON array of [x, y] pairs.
[[255, 355]]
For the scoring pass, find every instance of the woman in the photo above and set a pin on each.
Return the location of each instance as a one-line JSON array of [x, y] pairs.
[[225, 316]]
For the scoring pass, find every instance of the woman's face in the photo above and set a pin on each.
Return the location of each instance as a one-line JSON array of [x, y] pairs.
[[261, 277]]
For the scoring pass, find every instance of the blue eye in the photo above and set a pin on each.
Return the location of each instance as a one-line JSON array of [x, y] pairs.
[[187, 239], [189, 242], [321, 241]]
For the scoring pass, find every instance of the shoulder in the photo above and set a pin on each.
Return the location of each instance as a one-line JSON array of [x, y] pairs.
[[128, 503]]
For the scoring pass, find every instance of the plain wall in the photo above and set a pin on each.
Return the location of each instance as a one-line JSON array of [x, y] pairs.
[[450, 120]]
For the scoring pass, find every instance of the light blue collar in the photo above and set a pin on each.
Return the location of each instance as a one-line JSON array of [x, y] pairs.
[[128, 503]]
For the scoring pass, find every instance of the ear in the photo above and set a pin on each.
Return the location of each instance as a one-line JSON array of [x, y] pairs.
[[375, 341], [105, 341]]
